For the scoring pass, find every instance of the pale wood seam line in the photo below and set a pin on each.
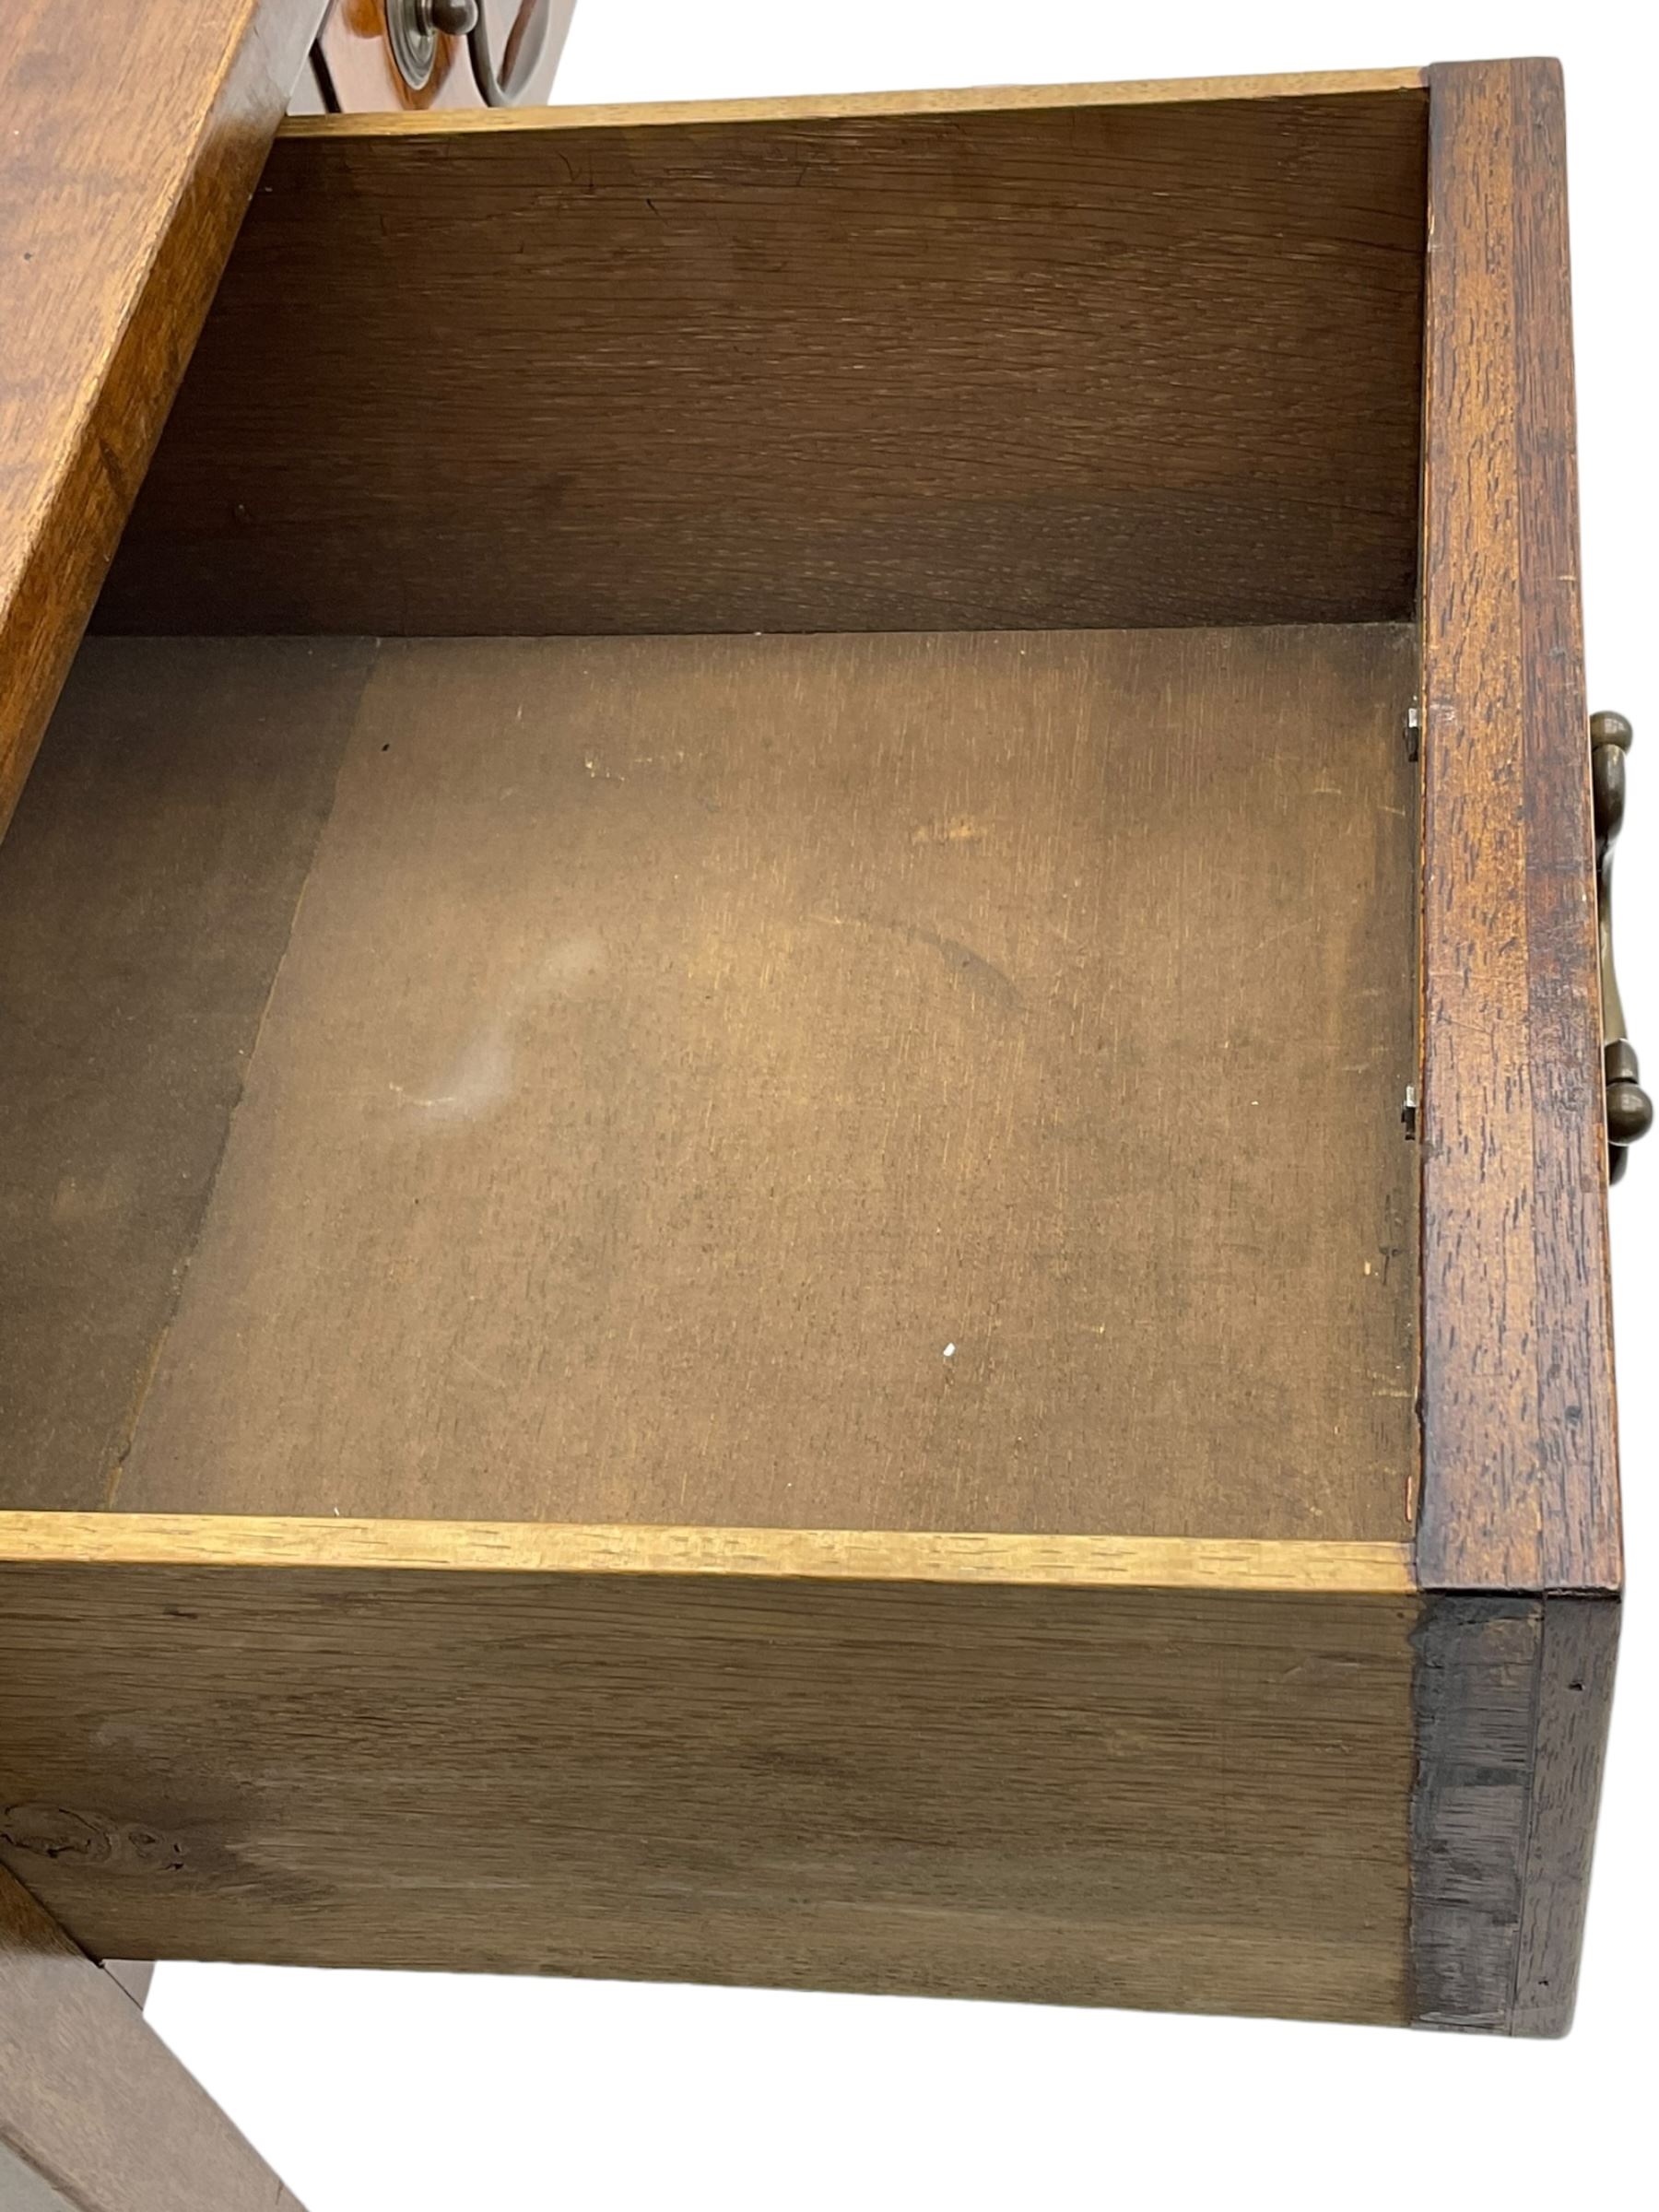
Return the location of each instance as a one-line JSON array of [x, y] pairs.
[[854, 106], [832, 1555]]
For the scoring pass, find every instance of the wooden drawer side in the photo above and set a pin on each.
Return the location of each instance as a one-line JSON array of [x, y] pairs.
[[1193, 1796]]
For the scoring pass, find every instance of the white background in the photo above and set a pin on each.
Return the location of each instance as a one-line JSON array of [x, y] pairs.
[[411, 2093]]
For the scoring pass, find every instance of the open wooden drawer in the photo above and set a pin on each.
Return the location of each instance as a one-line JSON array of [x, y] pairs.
[[784, 1199]]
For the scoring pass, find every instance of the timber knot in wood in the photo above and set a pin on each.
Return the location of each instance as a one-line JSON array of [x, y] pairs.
[[54, 1831]]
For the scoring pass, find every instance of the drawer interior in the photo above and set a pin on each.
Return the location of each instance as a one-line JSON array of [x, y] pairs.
[[735, 848]]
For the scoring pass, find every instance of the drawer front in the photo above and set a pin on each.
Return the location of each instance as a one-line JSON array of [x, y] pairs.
[[135, 138]]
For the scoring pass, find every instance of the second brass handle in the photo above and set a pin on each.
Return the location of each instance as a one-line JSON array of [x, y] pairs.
[[1630, 1110]]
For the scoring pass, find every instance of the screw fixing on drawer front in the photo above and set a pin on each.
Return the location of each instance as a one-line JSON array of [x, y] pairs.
[[1630, 1110]]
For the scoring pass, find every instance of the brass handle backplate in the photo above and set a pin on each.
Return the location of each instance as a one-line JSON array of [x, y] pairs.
[[1630, 1110], [413, 28]]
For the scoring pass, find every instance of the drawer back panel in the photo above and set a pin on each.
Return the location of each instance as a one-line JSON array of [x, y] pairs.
[[988, 361]]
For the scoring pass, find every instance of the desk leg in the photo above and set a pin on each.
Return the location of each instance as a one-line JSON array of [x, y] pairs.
[[95, 2111]]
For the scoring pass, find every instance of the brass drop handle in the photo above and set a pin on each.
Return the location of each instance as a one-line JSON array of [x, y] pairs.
[[519, 56], [1630, 1110]]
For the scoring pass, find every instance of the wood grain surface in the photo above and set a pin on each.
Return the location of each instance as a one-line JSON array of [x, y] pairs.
[[146, 891], [1186, 1799], [1519, 1456], [1520, 1481], [889, 1083], [1512, 1698], [1577, 1654], [133, 139], [95, 2112], [994, 363], [1477, 1675]]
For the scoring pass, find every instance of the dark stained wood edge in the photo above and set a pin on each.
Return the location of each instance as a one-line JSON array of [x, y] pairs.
[[73, 513], [1473, 1696], [1518, 1541], [93, 2103], [1520, 1485], [1573, 1705], [1511, 1698]]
